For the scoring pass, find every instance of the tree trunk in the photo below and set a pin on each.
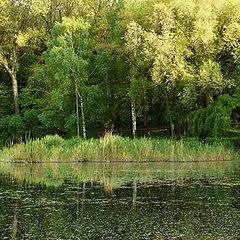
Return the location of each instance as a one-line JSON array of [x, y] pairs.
[[12, 71], [207, 99], [77, 110], [83, 116], [14, 79], [145, 112], [15, 92], [134, 118], [172, 127]]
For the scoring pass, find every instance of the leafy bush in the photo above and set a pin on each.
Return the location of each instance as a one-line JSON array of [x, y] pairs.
[[12, 128]]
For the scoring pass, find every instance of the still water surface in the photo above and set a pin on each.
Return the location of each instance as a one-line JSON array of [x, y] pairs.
[[120, 201]]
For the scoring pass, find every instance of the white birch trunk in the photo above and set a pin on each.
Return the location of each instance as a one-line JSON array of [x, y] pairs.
[[77, 110], [134, 118], [83, 116]]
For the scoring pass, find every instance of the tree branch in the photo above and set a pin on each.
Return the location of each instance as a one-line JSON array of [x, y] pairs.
[[3, 61], [21, 57]]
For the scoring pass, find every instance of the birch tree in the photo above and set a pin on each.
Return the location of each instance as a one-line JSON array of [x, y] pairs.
[[66, 65]]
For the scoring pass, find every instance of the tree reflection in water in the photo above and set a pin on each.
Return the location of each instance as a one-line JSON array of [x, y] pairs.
[[120, 202]]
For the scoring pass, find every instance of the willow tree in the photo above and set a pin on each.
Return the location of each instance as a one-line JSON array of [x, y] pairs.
[[66, 65]]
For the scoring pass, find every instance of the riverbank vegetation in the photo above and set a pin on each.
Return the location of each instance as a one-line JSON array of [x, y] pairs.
[[112, 148], [83, 67]]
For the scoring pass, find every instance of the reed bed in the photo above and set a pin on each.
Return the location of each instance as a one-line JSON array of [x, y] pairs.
[[116, 148]]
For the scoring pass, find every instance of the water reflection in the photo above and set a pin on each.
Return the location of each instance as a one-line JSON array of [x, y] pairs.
[[120, 201], [113, 175]]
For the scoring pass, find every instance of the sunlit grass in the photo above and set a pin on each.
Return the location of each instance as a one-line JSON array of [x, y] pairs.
[[116, 148]]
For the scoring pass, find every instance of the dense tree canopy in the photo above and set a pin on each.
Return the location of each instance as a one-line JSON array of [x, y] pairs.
[[83, 67]]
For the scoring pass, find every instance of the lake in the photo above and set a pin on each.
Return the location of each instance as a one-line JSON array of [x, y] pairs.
[[120, 201]]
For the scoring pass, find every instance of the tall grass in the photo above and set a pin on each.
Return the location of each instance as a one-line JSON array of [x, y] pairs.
[[116, 148]]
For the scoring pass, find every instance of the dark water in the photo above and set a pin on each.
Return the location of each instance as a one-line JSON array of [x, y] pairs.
[[120, 201]]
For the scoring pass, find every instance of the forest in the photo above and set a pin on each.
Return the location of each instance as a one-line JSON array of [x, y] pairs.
[[83, 67]]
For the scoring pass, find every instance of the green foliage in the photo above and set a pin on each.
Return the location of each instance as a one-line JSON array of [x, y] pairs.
[[214, 120], [20, 128], [185, 44], [32, 123], [165, 59], [28, 99], [66, 67], [95, 109], [5, 99], [12, 128]]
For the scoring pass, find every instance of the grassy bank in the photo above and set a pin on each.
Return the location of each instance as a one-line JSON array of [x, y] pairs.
[[116, 148]]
